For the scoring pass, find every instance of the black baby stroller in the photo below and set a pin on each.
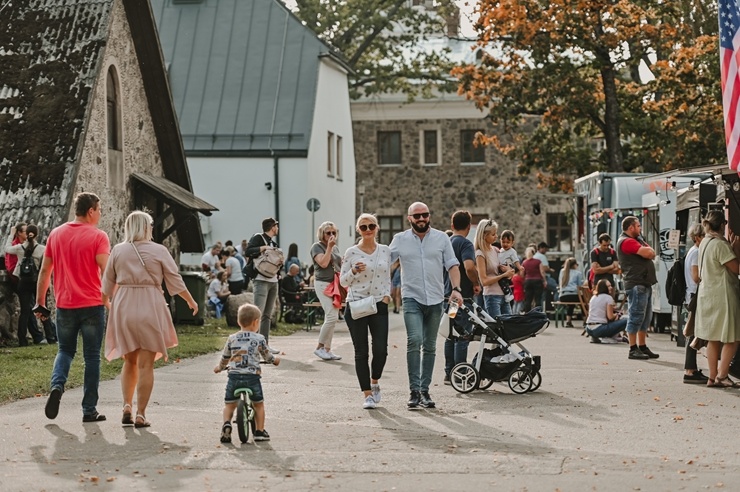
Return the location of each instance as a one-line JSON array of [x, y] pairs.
[[500, 363]]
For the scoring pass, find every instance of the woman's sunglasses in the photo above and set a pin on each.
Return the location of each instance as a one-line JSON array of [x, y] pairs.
[[365, 227], [423, 215], [331, 233]]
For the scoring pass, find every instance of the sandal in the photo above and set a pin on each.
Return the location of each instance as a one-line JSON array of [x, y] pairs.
[[725, 382], [144, 422], [126, 420]]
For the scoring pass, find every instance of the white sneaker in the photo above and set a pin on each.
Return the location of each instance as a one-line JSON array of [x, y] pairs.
[[321, 353], [368, 403], [333, 356], [375, 388], [273, 350]]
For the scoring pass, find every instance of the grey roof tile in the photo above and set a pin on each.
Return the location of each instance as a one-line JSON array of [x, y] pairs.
[[243, 74]]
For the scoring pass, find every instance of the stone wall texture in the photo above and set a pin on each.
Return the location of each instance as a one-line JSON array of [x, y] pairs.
[[492, 189]]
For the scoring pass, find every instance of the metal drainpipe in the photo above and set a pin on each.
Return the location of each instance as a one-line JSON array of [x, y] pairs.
[[276, 178]]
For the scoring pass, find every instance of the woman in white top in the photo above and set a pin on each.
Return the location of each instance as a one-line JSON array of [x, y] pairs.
[[603, 321], [366, 272], [27, 286], [490, 270]]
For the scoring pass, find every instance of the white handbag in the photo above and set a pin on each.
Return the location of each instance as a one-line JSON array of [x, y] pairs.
[[364, 307]]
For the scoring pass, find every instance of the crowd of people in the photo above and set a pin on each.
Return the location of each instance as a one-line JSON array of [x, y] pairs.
[[435, 269]]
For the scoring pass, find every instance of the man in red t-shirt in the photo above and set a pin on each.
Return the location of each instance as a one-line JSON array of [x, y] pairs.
[[77, 253], [638, 273]]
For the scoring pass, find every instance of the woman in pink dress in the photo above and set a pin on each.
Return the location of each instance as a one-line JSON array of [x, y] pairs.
[[140, 326]]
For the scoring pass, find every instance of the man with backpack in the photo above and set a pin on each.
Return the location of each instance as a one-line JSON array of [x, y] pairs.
[[266, 288], [604, 264]]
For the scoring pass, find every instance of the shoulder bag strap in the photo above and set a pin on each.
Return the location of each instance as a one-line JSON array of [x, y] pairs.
[[372, 282], [158, 284]]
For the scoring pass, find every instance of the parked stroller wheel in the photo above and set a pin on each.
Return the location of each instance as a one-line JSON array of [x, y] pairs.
[[520, 381], [536, 381], [485, 383], [464, 378]]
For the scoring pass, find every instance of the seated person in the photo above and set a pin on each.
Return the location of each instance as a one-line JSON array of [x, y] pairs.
[[218, 292], [290, 292], [603, 323]]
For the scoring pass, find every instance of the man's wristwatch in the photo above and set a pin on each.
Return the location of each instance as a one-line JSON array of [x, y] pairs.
[[457, 289]]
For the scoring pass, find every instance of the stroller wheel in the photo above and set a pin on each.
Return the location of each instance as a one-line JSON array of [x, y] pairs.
[[536, 381], [464, 378], [485, 383], [520, 381]]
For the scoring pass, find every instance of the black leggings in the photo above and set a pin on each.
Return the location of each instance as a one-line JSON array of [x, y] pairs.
[[569, 298], [27, 321], [377, 325], [533, 289], [690, 361]]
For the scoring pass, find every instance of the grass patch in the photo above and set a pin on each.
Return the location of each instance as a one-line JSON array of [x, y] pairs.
[[26, 371]]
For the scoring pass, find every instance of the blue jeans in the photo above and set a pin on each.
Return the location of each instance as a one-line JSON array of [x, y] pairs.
[[422, 325], [496, 305], [607, 330], [640, 308], [90, 322]]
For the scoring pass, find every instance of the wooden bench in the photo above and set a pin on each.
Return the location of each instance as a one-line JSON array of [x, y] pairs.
[[312, 309], [584, 297]]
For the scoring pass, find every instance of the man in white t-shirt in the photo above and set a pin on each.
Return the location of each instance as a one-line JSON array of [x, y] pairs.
[[210, 261]]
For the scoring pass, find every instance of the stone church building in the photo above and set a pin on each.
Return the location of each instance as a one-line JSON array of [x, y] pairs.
[[85, 105]]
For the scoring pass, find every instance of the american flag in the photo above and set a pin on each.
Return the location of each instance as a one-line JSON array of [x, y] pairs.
[[729, 54]]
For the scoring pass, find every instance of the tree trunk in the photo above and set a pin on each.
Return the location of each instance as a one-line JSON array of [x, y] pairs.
[[614, 159]]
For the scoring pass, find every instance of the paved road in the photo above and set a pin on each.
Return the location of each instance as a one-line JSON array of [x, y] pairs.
[[599, 422]]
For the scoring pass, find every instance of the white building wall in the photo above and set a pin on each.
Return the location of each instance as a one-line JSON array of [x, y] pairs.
[[336, 194]]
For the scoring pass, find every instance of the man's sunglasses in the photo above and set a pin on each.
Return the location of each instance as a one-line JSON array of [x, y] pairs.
[[365, 227], [423, 215], [331, 233]]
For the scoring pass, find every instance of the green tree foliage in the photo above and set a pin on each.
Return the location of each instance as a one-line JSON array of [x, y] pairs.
[[380, 39], [640, 75]]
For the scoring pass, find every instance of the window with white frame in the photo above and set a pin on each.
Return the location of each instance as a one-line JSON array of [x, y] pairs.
[[389, 148], [330, 154], [429, 151], [339, 158], [470, 153]]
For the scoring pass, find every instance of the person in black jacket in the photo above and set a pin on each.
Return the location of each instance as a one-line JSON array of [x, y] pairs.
[[265, 289]]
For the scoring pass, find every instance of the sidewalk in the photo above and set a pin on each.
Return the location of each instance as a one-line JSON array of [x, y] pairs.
[[599, 422]]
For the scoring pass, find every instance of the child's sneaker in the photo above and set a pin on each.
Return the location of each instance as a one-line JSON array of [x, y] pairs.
[[261, 435], [226, 433], [369, 402], [375, 388]]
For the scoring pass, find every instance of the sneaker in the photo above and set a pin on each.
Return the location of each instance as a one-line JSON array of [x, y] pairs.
[[369, 402], [52, 404], [595, 339], [375, 388], [649, 352], [321, 353], [426, 400], [696, 378], [332, 355], [609, 340], [42, 342], [734, 371], [261, 435], [569, 324], [226, 433], [273, 351], [414, 401], [637, 354], [446, 380]]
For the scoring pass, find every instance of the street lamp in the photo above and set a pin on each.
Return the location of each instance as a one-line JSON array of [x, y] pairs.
[[361, 191]]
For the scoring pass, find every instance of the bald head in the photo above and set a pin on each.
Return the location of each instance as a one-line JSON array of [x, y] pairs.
[[417, 207]]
